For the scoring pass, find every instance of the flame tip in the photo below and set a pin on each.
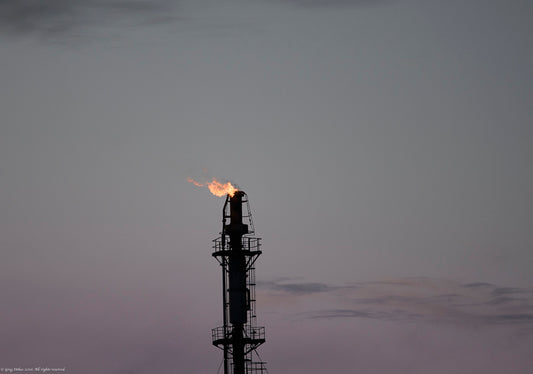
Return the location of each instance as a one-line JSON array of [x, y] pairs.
[[216, 187]]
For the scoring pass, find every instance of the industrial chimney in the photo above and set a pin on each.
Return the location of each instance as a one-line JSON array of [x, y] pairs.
[[236, 250]]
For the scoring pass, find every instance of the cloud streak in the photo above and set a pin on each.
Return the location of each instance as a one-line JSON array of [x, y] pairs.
[[297, 288], [61, 17], [413, 299], [336, 3]]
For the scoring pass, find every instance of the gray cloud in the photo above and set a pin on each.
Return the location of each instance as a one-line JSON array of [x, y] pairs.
[[393, 315], [297, 288], [506, 295], [507, 291], [418, 298], [477, 284], [413, 300], [402, 315], [513, 318], [55, 19], [60, 17]]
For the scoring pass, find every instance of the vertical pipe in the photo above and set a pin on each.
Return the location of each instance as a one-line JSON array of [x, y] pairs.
[[225, 318], [224, 290], [237, 281]]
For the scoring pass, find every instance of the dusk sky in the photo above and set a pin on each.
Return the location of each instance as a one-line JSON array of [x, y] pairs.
[[386, 147]]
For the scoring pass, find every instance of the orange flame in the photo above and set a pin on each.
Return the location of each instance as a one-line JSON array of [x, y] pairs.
[[216, 187]]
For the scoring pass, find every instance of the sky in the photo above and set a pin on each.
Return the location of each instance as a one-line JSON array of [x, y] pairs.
[[385, 146]]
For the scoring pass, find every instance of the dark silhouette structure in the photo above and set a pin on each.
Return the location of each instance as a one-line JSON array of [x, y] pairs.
[[236, 250]]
